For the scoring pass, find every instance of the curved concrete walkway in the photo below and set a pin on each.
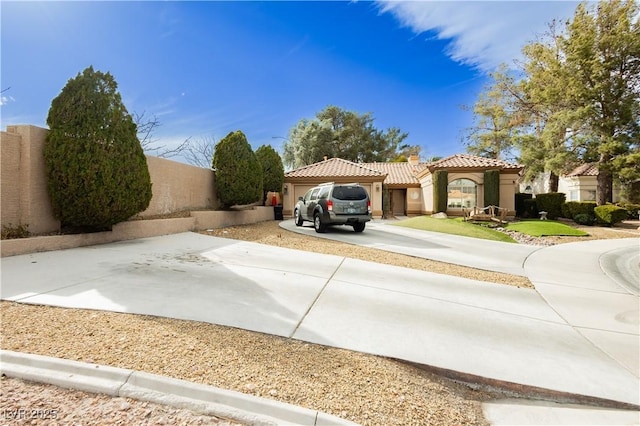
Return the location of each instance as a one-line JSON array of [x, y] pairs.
[[479, 330]]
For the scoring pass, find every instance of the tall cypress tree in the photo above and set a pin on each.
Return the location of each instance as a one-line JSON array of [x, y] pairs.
[[238, 171], [96, 169], [272, 169]]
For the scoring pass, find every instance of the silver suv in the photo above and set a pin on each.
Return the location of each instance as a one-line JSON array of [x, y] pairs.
[[334, 204]]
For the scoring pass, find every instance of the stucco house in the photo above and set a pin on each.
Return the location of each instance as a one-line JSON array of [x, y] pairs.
[[409, 184], [578, 185]]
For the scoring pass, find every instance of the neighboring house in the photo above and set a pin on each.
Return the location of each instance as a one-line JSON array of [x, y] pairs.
[[410, 184], [578, 185]]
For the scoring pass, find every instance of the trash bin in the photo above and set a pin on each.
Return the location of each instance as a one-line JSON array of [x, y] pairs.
[[277, 213]]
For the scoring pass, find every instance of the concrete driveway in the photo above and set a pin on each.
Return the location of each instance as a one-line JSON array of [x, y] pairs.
[[465, 251], [593, 286], [477, 329]]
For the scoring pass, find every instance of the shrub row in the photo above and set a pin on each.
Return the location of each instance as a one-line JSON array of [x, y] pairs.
[[581, 212], [633, 210], [609, 214], [523, 204], [571, 209], [551, 203]]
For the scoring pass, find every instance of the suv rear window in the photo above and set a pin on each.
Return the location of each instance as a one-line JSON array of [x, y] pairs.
[[352, 193]]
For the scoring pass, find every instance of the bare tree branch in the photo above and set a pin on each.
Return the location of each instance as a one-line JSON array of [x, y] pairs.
[[146, 127], [200, 153]]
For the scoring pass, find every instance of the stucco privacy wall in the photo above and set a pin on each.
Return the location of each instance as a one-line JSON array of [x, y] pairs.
[[23, 183], [138, 229], [25, 201], [178, 187]]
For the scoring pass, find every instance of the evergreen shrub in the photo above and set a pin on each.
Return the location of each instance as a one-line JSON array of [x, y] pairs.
[[440, 194], [97, 172], [609, 214], [572, 208], [521, 209], [272, 170], [632, 210], [584, 219], [530, 207], [238, 171], [551, 203], [492, 188]]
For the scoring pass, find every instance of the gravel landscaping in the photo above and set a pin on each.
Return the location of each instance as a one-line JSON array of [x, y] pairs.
[[363, 388]]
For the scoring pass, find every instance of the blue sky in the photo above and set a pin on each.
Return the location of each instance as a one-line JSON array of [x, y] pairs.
[[208, 68]]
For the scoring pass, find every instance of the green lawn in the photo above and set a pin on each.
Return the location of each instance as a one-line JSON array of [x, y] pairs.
[[454, 226], [540, 228]]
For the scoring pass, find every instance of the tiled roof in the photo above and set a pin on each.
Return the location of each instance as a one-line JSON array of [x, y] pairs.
[[399, 173], [588, 169], [466, 161], [396, 173], [334, 167]]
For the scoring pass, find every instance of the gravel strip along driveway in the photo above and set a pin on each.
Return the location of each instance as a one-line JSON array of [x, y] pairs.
[[359, 387], [40, 404]]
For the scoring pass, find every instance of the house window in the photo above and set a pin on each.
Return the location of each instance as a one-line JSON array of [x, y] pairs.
[[590, 195], [573, 195], [462, 193]]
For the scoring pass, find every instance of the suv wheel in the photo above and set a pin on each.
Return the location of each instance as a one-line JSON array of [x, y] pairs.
[[298, 218], [317, 223], [359, 226]]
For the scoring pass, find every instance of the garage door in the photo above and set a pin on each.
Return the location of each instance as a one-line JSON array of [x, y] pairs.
[[298, 191], [367, 186]]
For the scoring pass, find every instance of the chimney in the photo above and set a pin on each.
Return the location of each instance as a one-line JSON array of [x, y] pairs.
[[414, 159], [326, 158]]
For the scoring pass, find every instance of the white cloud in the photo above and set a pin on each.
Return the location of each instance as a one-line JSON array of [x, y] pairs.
[[481, 34], [6, 99]]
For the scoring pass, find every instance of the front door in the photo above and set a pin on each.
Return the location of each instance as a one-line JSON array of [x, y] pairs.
[[398, 202]]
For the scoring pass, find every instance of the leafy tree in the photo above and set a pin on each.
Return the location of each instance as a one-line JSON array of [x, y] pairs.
[[97, 172], [238, 171], [543, 104], [495, 119], [602, 49], [335, 132], [583, 86], [272, 169]]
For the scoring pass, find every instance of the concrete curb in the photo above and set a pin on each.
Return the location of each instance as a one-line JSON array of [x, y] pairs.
[[159, 389]]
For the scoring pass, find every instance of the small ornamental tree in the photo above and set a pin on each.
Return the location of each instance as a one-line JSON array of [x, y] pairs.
[[272, 170], [96, 170], [440, 194], [492, 188], [238, 171]]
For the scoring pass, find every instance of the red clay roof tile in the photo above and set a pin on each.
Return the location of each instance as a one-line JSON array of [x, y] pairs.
[[334, 167], [588, 169], [466, 161]]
